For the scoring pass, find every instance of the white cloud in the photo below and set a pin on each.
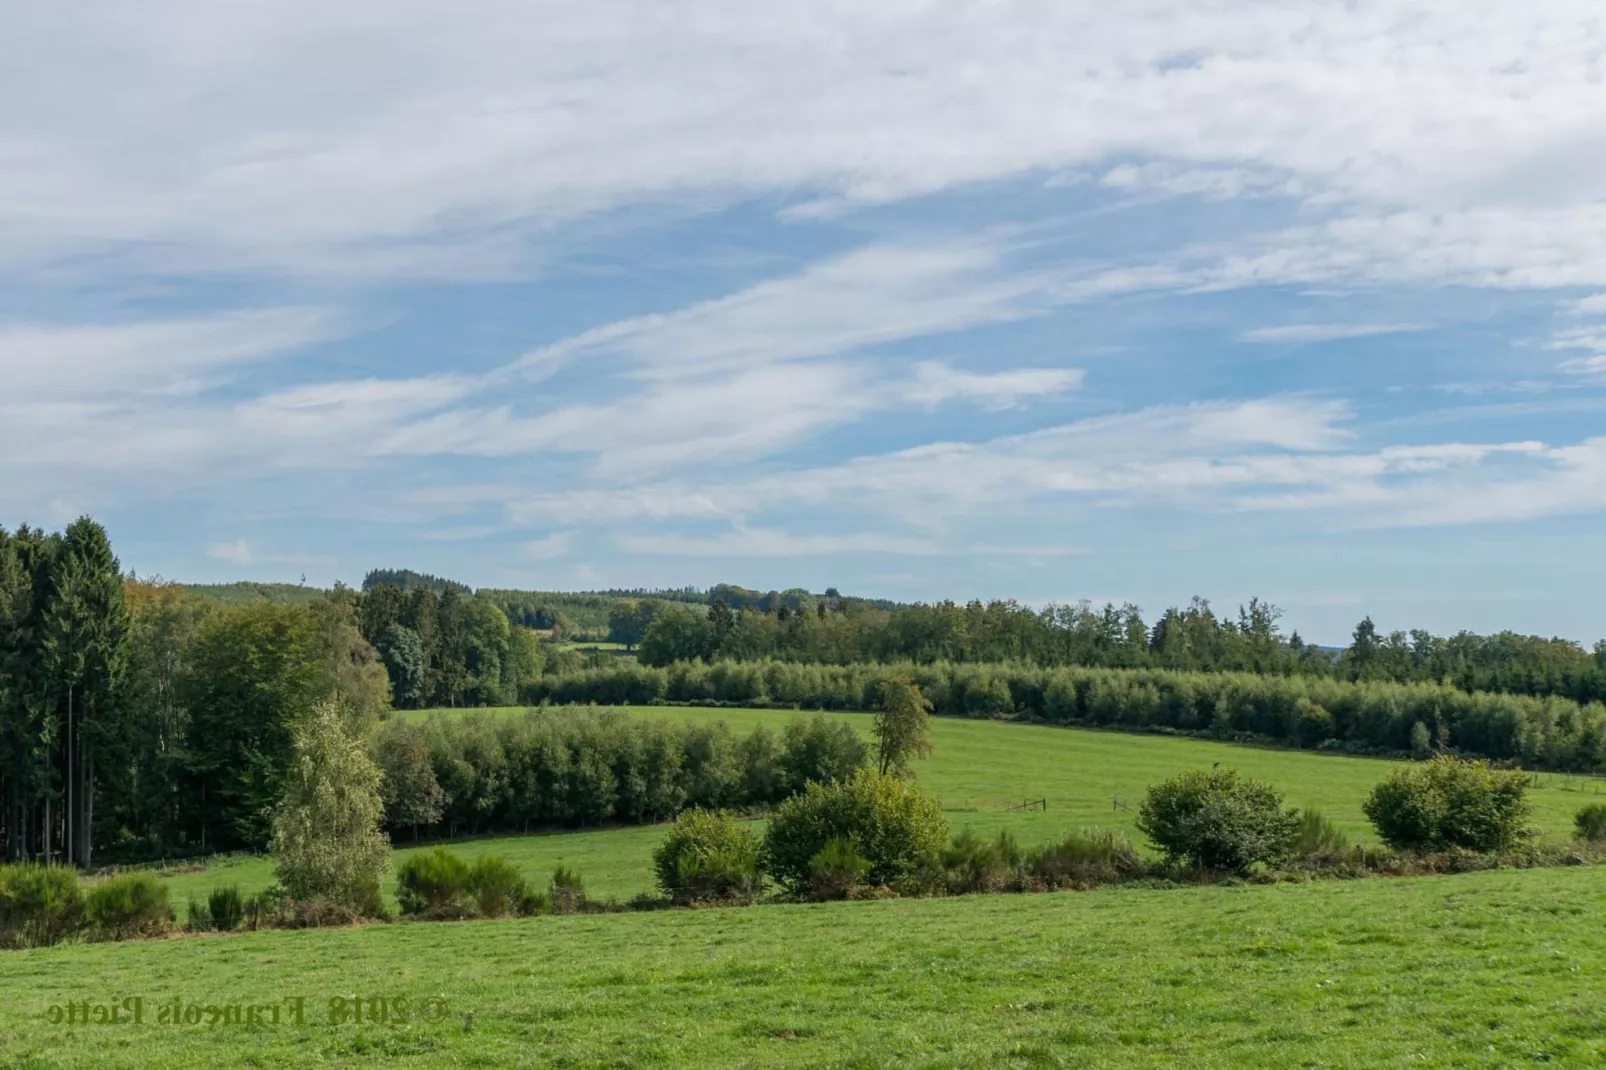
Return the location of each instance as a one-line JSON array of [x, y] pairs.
[[768, 543], [1326, 332], [549, 548], [1589, 306], [238, 552], [935, 383]]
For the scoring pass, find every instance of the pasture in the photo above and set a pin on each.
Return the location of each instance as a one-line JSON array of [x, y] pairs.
[[1488, 969], [978, 770]]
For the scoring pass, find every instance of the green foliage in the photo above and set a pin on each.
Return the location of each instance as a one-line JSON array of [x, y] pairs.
[[411, 794], [818, 751], [226, 907], [326, 838], [1450, 802], [434, 884], [39, 905], [1590, 823], [973, 864], [126, 906], [708, 857], [566, 892], [198, 915], [1318, 836], [677, 633], [902, 726], [899, 829], [836, 870], [1218, 821], [1091, 856], [496, 887]]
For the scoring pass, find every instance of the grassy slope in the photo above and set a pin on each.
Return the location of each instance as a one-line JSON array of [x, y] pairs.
[[977, 769], [1493, 969]]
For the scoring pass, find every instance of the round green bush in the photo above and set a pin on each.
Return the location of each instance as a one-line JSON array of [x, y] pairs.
[[134, 904], [1450, 802], [707, 857], [1590, 823], [1218, 821], [434, 883], [39, 905], [893, 825]]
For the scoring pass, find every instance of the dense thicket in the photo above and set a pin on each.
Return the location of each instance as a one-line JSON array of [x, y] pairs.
[[1304, 711], [446, 649], [573, 768]]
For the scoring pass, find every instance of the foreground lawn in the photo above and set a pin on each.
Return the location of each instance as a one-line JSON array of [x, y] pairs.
[[1494, 969]]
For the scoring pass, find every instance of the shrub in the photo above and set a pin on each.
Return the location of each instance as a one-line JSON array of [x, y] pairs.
[[434, 884], [1450, 802], [496, 887], [268, 908], [708, 857], [897, 828], [1218, 821], [1092, 856], [567, 891], [1590, 823], [836, 871], [39, 905], [1318, 836], [134, 904], [972, 864], [226, 908], [819, 751], [197, 916]]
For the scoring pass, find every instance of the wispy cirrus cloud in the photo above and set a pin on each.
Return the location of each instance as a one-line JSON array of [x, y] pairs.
[[1296, 333]]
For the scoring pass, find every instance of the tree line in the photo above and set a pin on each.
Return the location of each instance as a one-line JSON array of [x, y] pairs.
[[1190, 639], [1308, 711]]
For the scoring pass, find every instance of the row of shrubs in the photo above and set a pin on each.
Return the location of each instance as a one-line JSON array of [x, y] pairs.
[[473, 774], [1304, 711], [880, 833]]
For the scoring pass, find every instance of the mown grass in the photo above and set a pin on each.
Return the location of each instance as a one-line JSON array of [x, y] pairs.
[[1489, 969], [977, 769]]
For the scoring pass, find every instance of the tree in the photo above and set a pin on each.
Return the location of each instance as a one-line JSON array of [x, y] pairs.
[[902, 726], [326, 838], [628, 621], [677, 634], [412, 795], [403, 655]]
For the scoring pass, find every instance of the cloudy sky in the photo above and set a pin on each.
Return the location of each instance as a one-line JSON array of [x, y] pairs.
[[1040, 299]]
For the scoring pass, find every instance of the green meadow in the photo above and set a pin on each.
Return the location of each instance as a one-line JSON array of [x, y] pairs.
[[979, 770], [1488, 969]]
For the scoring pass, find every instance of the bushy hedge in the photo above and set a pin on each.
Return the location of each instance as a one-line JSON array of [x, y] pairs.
[[707, 857], [1449, 802], [126, 906], [1304, 711], [567, 768], [39, 905], [1219, 821], [893, 825], [440, 886]]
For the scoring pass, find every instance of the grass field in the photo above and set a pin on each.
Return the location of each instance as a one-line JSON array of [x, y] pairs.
[[1491, 969], [978, 769]]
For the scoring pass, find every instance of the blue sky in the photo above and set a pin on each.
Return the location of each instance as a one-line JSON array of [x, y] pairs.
[[1040, 300]]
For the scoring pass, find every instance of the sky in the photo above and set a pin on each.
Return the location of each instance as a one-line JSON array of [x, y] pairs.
[[1033, 299]]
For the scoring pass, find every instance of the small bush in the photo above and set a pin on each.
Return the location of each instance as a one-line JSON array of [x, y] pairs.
[[1449, 802], [269, 908], [434, 884], [898, 828], [197, 916], [836, 871], [1218, 821], [496, 887], [566, 893], [1318, 837], [226, 908], [39, 905], [1092, 856], [1590, 823], [972, 864], [134, 904], [708, 857]]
